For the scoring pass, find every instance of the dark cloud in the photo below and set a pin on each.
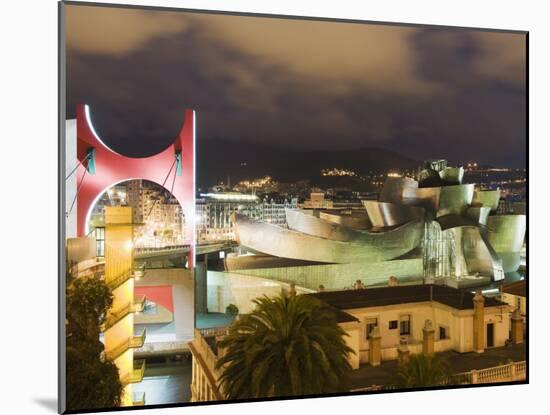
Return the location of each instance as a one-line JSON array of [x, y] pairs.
[[425, 92]]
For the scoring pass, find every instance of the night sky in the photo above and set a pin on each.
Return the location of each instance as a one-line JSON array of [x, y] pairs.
[[423, 92]]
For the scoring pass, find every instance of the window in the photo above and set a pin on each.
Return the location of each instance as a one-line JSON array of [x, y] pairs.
[[405, 324], [443, 333], [392, 325], [371, 323], [100, 241]]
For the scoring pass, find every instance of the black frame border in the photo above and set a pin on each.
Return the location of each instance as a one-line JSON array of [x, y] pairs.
[[61, 200]]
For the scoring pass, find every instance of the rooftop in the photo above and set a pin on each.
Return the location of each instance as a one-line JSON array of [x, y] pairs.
[[516, 288], [376, 297]]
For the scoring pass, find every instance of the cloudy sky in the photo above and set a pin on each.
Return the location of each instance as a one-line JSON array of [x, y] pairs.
[[424, 92]]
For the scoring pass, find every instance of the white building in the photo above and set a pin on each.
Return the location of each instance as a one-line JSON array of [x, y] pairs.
[[273, 211], [402, 312], [214, 210]]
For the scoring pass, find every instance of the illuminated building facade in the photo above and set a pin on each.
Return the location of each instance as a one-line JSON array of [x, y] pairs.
[[119, 338], [317, 201], [214, 210], [408, 316], [274, 211], [433, 229]]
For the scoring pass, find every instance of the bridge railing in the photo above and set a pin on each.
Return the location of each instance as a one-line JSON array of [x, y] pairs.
[[145, 249]]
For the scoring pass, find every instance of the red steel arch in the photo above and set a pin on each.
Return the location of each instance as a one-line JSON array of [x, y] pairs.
[[108, 168]]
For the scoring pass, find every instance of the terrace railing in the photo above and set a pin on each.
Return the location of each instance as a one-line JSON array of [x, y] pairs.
[[130, 343], [117, 315], [510, 372]]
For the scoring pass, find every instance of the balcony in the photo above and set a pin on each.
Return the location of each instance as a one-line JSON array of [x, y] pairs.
[[139, 399], [137, 341], [132, 307], [125, 276], [133, 342], [137, 373]]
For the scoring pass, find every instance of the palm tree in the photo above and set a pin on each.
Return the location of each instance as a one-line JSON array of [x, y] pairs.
[[287, 346], [422, 370]]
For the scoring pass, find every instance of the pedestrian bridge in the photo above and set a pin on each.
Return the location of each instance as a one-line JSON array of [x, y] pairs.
[[149, 252]]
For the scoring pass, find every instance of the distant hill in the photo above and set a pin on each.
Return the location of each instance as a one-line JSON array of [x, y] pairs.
[[218, 159]]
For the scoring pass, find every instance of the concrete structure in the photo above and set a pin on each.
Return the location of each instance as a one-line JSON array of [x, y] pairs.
[[400, 314], [117, 270], [119, 338], [403, 352], [240, 290], [428, 338], [317, 201], [101, 168], [479, 322], [171, 315], [205, 384], [374, 347]]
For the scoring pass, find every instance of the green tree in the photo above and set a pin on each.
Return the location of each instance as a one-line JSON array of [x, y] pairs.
[[92, 381], [232, 310], [287, 346], [422, 370]]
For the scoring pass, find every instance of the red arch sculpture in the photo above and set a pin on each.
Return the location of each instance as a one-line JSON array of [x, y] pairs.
[[107, 168]]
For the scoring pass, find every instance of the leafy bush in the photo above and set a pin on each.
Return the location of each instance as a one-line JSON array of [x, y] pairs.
[[232, 310]]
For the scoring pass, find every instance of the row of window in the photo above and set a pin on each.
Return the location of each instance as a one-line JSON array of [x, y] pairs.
[[404, 325]]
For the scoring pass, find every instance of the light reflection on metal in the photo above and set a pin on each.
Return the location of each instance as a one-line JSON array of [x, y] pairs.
[[451, 223], [353, 220], [506, 233], [479, 214], [437, 250], [440, 201], [452, 175], [392, 191], [314, 239], [487, 198], [384, 214], [455, 221], [480, 256]]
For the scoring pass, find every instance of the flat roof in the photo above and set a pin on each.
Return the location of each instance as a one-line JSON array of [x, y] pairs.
[[403, 294], [515, 288]]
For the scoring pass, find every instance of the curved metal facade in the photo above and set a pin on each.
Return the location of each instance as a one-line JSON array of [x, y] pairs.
[[479, 213], [441, 200], [354, 220], [487, 198], [393, 189], [479, 254], [453, 224], [321, 241], [506, 234], [384, 214], [452, 175]]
